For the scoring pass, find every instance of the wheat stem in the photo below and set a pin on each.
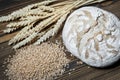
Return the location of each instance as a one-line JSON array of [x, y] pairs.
[[52, 31]]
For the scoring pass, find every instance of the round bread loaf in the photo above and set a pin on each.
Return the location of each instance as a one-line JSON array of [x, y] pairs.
[[93, 35]]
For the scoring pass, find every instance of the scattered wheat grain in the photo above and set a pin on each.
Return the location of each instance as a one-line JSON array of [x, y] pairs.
[[41, 62]]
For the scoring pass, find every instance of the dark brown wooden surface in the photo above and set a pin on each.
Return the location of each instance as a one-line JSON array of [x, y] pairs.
[[81, 72]]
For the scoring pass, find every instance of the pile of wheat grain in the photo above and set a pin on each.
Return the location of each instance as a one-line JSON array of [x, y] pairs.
[[42, 62]]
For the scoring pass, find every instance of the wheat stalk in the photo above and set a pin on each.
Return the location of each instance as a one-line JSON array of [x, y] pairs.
[[52, 31], [25, 31], [25, 41], [29, 39], [44, 24], [18, 37]]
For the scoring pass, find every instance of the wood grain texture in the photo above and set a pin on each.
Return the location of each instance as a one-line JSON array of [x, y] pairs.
[[82, 71], [7, 37]]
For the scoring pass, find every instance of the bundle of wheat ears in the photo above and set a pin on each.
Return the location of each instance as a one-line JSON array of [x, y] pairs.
[[40, 21]]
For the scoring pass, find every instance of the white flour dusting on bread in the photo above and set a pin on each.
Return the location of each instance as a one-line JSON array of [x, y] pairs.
[[93, 35]]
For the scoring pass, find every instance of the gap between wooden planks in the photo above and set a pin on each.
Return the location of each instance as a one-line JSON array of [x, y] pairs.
[[7, 37]]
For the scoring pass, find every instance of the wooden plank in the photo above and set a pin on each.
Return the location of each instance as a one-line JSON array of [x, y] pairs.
[[5, 50], [78, 72], [5, 4], [16, 6], [7, 37], [97, 72], [114, 8], [114, 74], [81, 72]]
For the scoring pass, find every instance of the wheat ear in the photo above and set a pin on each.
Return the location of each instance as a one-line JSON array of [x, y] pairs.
[[29, 39], [47, 8], [26, 32], [21, 12], [35, 17], [15, 26], [38, 28], [52, 31], [21, 33], [45, 3], [18, 24], [9, 30]]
